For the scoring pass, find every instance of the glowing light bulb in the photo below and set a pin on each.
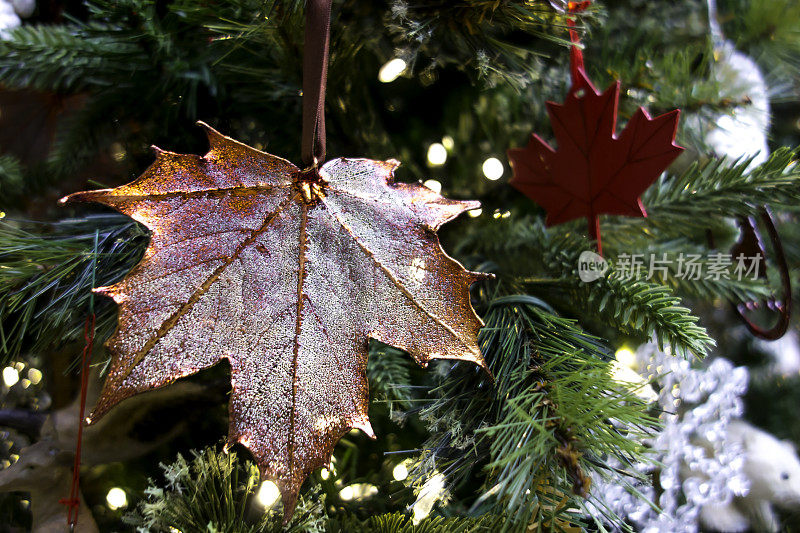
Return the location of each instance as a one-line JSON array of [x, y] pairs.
[[493, 169], [437, 154], [10, 376], [391, 70], [475, 212], [35, 375], [400, 472], [448, 142], [433, 185], [626, 357], [268, 494], [358, 491], [432, 491], [116, 498]]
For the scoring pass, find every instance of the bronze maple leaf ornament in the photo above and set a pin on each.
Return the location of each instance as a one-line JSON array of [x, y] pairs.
[[286, 274]]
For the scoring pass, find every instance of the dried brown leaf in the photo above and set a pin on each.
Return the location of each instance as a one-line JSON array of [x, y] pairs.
[[285, 274]]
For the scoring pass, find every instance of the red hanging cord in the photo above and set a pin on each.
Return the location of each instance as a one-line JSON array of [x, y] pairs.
[[74, 501], [575, 54]]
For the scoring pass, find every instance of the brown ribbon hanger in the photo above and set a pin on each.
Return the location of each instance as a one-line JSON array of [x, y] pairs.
[[315, 74]]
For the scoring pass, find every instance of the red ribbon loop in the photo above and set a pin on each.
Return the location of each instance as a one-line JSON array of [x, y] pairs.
[[576, 54], [73, 502]]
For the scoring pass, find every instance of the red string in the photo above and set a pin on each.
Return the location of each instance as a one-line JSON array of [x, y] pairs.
[[73, 503], [576, 54]]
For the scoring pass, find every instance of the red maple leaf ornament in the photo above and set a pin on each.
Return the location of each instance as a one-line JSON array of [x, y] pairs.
[[594, 171]]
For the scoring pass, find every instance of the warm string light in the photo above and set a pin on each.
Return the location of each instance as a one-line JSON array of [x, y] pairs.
[[358, 491], [437, 154], [400, 471], [330, 471], [35, 375], [433, 185], [493, 169], [268, 494], [391, 70], [10, 376], [432, 491], [626, 357], [624, 370], [118, 152], [116, 498]]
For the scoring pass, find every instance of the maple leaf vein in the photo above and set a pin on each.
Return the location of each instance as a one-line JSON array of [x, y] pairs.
[[301, 276], [236, 190], [170, 322], [393, 279]]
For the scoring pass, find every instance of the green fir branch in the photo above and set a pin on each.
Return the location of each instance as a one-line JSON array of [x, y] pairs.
[[401, 523], [769, 30], [11, 179], [643, 309], [640, 308], [553, 413], [215, 492], [389, 374], [482, 35], [706, 196], [79, 137], [720, 188], [67, 58], [46, 278]]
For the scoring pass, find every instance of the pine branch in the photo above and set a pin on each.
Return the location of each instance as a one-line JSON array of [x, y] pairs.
[[214, 492], [709, 289], [639, 308], [695, 282], [705, 197], [644, 309], [66, 58], [11, 179], [654, 74], [389, 374], [480, 34], [401, 523], [80, 137], [767, 30], [719, 188], [45, 279], [550, 417]]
